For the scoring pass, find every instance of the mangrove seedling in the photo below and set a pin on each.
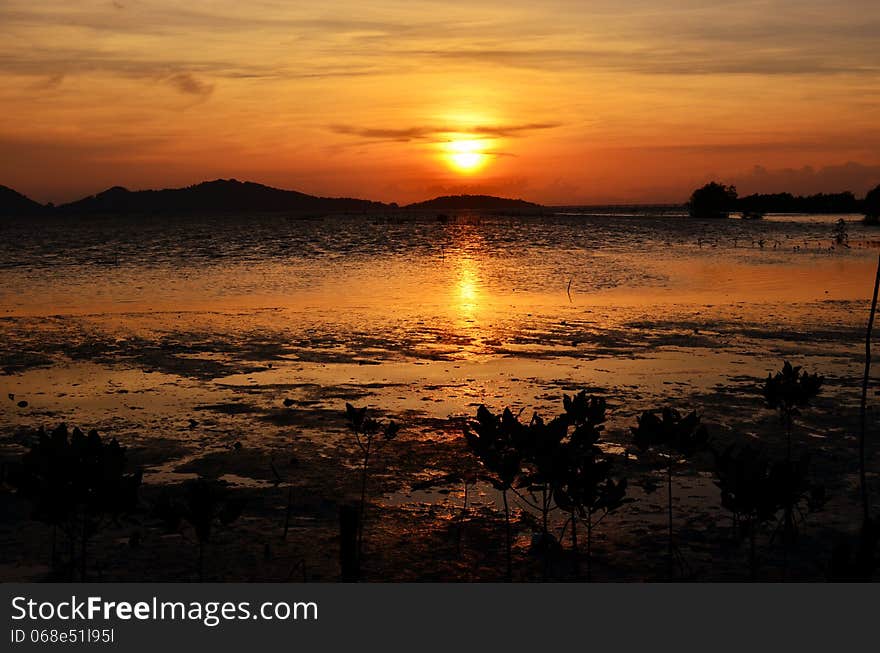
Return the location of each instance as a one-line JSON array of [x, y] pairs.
[[370, 435], [202, 503], [752, 489], [589, 494], [496, 441], [676, 437], [586, 487], [787, 392], [76, 483], [543, 457]]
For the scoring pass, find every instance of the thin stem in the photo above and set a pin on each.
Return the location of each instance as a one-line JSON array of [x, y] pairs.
[[363, 498], [864, 401], [753, 562], [507, 535], [589, 544], [669, 509], [789, 481], [461, 519]]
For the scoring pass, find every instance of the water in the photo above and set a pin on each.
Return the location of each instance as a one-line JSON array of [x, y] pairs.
[[183, 264], [135, 324], [228, 348]]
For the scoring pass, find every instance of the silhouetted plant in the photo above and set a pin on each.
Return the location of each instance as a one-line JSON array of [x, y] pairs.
[[76, 482], [366, 429], [751, 489], [543, 456], [676, 437], [585, 486], [755, 488], [713, 200], [202, 503], [496, 441], [788, 391]]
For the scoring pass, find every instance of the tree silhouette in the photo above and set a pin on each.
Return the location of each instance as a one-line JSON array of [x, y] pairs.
[[713, 200], [872, 206]]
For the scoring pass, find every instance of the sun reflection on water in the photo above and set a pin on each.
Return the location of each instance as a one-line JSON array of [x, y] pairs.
[[468, 285]]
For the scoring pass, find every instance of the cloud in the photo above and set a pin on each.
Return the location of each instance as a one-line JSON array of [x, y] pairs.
[[188, 83], [853, 176], [440, 132], [777, 37]]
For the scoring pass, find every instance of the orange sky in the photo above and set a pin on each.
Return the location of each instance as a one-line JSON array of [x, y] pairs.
[[560, 101]]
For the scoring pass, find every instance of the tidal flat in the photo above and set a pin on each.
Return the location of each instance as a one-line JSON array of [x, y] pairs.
[[227, 348]]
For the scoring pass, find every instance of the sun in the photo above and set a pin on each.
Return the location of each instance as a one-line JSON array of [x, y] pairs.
[[466, 155]]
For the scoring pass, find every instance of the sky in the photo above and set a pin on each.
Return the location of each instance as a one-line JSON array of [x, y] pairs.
[[559, 102]]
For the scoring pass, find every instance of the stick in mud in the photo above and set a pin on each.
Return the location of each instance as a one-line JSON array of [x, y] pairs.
[[864, 400]]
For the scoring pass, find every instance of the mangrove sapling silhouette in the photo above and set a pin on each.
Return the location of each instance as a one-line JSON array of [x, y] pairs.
[[496, 441], [753, 489], [366, 429], [76, 483], [202, 503], [676, 437], [787, 392], [585, 488], [543, 457]]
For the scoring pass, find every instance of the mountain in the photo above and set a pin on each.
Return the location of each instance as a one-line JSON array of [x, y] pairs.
[[232, 196], [219, 196], [13, 203], [473, 203]]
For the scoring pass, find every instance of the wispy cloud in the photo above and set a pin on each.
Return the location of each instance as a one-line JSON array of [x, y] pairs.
[[441, 132], [853, 176], [190, 84]]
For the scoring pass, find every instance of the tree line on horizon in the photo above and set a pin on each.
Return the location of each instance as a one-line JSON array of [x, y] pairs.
[[717, 200]]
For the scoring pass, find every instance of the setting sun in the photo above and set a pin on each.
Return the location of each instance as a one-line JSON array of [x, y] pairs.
[[466, 155]]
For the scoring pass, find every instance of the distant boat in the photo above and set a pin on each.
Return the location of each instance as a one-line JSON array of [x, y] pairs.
[[752, 215]]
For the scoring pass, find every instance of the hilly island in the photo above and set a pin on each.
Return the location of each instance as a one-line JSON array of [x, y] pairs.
[[233, 196]]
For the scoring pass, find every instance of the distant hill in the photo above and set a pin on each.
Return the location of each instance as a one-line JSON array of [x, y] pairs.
[[13, 204], [219, 196], [474, 203], [232, 196]]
